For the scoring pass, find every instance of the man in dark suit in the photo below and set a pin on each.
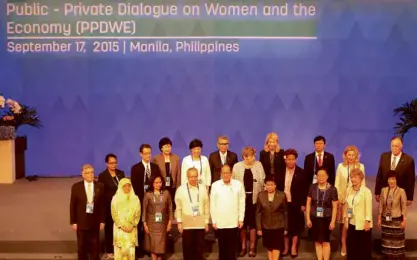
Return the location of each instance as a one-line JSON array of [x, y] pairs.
[[140, 175], [400, 162], [110, 179], [221, 157], [319, 159], [87, 214]]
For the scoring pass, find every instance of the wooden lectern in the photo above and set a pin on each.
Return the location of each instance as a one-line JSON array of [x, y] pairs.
[[7, 162]]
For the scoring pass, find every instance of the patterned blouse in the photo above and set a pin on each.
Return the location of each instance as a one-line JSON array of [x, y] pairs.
[[324, 199], [258, 177]]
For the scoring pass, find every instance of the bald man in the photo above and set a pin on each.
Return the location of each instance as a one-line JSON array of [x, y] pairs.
[[400, 162]]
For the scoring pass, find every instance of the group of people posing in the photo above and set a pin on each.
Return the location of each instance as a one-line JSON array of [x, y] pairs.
[[272, 198]]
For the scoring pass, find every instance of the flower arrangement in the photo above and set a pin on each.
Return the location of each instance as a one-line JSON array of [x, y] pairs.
[[13, 115]]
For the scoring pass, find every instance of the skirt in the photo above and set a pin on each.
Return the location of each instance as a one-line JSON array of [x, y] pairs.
[[296, 223], [250, 211], [320, 231], [273, 239], [393, 238]]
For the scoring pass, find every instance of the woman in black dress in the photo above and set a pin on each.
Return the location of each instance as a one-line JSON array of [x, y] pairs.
[[252, 175], [321, 212], [295, 185], [271, 218]]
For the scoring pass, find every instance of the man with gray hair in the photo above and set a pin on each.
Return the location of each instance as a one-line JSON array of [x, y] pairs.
[[87, 213], [227, 209], [221, 157], [193, 216]]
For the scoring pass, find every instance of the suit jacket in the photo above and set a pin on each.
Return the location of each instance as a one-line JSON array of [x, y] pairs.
[[406, 175], [137, 177], [399, 203], [299, 186], [216, 163], [271, 215], [279, 162], [78, 206], [175, 168], [110, 185], [328, 163]]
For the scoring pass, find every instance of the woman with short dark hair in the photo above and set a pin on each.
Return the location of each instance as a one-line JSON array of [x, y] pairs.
[[198, 161], [272, 218], [157, 217], [392, 213]]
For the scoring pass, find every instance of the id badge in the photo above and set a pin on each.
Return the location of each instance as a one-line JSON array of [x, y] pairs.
[[90, 208], [146, 187], [168, 182], [158, 217], [196, 211], [388, 217], [349, 212], [320, 212]]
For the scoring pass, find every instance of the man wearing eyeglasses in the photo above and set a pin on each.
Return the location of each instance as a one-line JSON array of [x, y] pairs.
[[221, 157], [110, 179]]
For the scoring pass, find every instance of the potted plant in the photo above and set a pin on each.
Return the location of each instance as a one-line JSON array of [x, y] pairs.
[[12, 117], [408, 117]]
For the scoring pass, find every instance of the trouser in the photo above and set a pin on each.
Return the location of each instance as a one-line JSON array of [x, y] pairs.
[[359, 244], [193, 244], [88, 244], [141, 236], [108, 231], [226, 238]]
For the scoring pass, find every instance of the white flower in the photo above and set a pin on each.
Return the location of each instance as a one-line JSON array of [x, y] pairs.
[[16, 108], [9, 102], [2, 102]]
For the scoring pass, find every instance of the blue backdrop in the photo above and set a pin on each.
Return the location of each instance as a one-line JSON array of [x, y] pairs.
[[344, 85]]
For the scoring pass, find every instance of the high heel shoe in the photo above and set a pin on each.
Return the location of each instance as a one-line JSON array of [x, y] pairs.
[[252, 253], [243, 253]]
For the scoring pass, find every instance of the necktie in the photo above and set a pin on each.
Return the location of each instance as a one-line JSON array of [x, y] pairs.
[[148, 172], [223, 160], [89, 193], [320, 160], [393, 163]]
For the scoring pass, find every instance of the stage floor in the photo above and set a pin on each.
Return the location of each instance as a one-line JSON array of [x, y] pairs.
[[38, 211]]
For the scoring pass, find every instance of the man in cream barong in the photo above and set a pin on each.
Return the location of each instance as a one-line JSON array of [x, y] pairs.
[[192, 214], [125, 209]]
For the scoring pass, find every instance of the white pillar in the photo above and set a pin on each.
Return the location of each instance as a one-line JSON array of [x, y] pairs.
[[7, 162]]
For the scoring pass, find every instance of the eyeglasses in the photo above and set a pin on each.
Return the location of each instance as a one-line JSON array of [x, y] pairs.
[[223, 143], [112, 163]]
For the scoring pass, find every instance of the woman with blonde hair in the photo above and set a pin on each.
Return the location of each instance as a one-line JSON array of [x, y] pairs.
[[251, 174], [272, 156], [343, 184], [358, 218], [125, 210]]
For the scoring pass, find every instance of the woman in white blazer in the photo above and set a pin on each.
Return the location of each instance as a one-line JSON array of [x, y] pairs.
[[198, 161], [358, 218], [343, 184]]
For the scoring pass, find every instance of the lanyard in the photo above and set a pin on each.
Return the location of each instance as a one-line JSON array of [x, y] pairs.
[[324, 195], [201, 166], [189, 194], [160, 198], [348, 173], [115, 182], [393, 193], [353, 199]]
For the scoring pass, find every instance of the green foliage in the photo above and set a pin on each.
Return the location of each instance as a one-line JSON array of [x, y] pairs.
[[408, 117]]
